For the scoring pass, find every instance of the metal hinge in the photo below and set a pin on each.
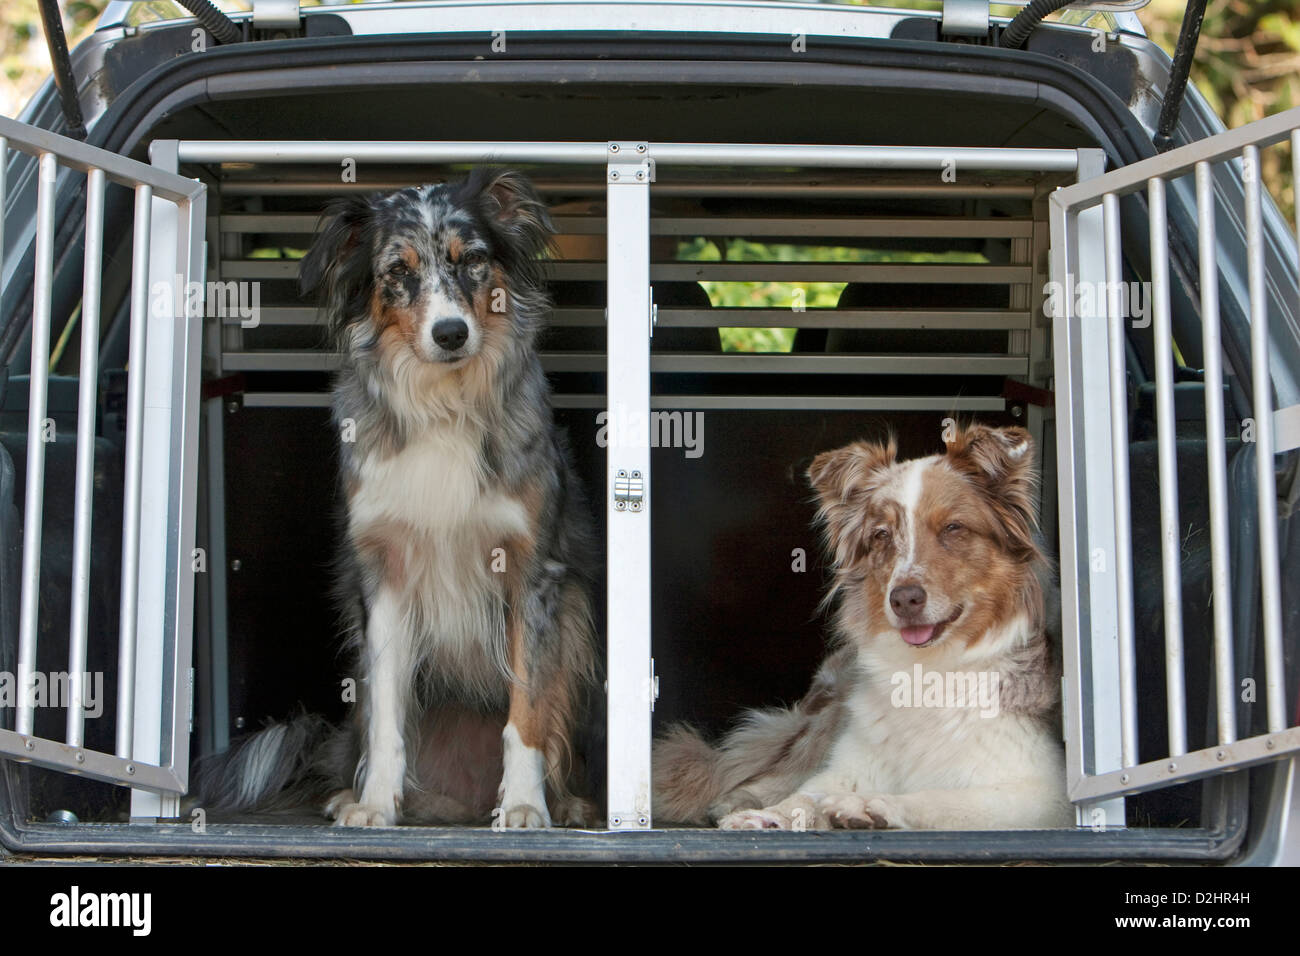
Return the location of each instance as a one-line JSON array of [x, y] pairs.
[[965, 18], [629, 490], [273, 15]]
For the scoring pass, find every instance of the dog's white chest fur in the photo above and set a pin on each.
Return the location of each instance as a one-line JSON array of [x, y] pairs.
[[892, 749], [442, 520], [435, 484], [895, 743]]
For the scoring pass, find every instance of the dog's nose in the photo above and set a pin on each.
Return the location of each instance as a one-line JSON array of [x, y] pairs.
[[907, 601], [450, 334]]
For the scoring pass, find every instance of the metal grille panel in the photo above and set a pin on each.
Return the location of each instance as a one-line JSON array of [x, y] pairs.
[[1096, 547], [156, 611]]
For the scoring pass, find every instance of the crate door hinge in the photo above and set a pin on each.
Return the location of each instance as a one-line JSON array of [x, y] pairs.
[[629, 490], [965, 18], [277, 17]]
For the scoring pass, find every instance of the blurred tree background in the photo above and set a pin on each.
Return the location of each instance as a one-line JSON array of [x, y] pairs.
[[23, 58], [1247, 66]]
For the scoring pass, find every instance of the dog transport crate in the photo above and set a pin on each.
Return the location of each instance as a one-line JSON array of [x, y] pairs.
[[923, 281]]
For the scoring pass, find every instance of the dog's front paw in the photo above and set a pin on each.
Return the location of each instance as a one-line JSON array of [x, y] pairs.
[[523, 816], [347, 812], [770, 818], [861, 811]]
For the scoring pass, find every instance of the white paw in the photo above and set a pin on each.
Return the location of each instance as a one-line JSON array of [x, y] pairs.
[[859, 811], [768, 819], [523, 816], [346, 812]]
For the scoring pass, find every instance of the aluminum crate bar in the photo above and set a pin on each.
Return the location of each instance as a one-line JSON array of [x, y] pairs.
[[87, 397], [33, 505], [1127, 776], [1120, 473], [971, 188], [1093, 698], [681, 154], [4, 192], [631, 668], [168, 491], [1170, 539], [856, 227], [129, 607], [1269, 570], [1216, 458], [739, 316], [57, 157]]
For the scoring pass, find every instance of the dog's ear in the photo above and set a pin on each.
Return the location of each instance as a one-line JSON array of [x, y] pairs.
[[1001, 462], [844, 480], [834, 473], [335, 246], [513, 210]]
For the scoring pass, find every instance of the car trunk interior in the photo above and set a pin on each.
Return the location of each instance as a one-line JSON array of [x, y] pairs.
[[897, 300]]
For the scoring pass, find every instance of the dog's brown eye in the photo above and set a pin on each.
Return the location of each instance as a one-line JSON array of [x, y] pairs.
[[953, 527], [880, 535], [476, 266], [398, 271]]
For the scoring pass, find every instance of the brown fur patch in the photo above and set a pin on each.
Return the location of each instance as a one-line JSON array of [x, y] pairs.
[[961, 554], [834, 474], [1000, 462], [544, 714], [455, 247], [524, 715], [384, 547]]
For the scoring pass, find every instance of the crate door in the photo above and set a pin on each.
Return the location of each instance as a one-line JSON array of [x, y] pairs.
[[1249, 717], [151, 752]]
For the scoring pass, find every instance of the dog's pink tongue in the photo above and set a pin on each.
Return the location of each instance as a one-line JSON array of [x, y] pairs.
[[917, 635]]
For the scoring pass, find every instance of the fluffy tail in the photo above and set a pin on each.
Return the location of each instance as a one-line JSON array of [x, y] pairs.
[[686, 775], [291, 765], [764, 760]]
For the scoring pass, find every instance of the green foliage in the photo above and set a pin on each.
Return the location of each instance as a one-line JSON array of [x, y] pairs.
[[24, 63], [782, 295], [1247, 67]]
